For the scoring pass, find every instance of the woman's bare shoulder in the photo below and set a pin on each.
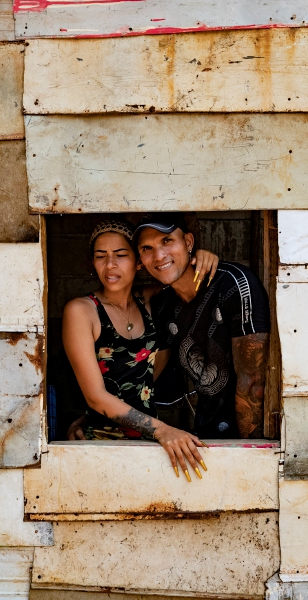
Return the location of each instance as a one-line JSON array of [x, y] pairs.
[[79, 306]]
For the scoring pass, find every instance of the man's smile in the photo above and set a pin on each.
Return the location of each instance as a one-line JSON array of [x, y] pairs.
[[164, 266]]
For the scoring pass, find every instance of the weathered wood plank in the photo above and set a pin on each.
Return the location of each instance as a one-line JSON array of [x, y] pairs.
[[22, 286], [16, 225], [73, 19], [296, 453], [273, 381], [15, 566], [13, 530], [293, 236], [292, 300], [224, 71], [21, 364], [232, 472], [166, 162], [6, 21], [189, 556], [293, 525], [293, 274], [11, 77]]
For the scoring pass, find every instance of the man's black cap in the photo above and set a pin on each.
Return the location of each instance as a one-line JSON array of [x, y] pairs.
[[164, 222]]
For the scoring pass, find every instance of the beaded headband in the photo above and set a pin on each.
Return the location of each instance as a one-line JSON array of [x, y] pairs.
[[110, 225]]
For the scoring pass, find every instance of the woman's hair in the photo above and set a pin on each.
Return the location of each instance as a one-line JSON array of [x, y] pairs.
[[120, 226]]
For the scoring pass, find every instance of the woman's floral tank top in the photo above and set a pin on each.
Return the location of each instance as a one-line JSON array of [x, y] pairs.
[[127, 365]]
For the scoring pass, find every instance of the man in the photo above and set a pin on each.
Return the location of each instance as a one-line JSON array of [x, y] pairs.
[[220, 331]]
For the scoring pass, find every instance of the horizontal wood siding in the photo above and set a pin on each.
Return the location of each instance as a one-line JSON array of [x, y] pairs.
[[14, 531], [11, 90], [211, 556], [224, 71], [88, 19], [61, 485], [166, 162]]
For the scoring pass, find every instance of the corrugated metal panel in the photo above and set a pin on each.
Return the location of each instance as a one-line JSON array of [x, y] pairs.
[[21, 367], [293, 524], [225, 71], [14, 531], [166, 162], [15, 565], [292, 301], [293, 236], [22, 286], [103, 478], [6, 20], [42, 18], [227, 553], [11, 77]]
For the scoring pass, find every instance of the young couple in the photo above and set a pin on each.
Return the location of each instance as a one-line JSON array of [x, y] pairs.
[[219, 331]]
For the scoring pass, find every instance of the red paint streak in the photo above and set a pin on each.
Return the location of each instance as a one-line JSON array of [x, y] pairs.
[[158, 20]]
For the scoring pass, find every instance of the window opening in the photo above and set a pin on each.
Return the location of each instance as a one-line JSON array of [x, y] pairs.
[[247, 237]]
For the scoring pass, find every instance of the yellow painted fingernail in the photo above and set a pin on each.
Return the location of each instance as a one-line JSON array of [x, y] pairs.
[[204, 444], [176, 470], [203, 465], [198, 473], [198, 285], [187, 475], [196, 276], [210, 279]]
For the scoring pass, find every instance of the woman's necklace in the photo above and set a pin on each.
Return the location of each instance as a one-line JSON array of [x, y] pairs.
[[129, 324]]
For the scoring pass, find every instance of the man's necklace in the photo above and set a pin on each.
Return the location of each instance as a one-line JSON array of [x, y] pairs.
[[129, 324]]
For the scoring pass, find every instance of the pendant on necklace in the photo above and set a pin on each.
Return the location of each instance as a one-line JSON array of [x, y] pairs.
[[129, 326]]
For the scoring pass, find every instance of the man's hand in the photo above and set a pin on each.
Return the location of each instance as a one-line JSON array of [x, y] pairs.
[[249, 358], [206, 262], [180, 445], [76, 429]]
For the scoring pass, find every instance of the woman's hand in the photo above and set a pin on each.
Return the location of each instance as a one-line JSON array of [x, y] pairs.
[[206, 262], [180, 445]]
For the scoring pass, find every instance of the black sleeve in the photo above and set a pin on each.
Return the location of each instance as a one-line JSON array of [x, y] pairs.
[[244, 303], [160, 315]]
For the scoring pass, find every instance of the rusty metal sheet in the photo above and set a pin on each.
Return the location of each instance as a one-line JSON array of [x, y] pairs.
[[41, 18], [16, 225], [224, 71], [292, 301], [21, 367], [296, 452], [293, 236], [14, 531], [213, 556], [15, 569], [6, 21], [166, 162], [21, 287], [293, 526], [11, 77], [61, 486]]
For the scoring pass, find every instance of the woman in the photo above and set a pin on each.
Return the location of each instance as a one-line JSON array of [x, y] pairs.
[[111, 344]]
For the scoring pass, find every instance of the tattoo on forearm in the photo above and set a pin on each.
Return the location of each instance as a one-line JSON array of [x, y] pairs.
[[136, 420], [249, 357]]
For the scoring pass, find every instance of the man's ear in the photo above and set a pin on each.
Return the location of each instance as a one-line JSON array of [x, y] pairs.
[[139, 265], [190, 240]]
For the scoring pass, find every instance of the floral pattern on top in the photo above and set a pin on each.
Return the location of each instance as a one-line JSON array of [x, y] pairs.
[[126, 365]]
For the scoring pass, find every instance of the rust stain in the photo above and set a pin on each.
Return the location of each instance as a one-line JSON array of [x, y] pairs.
[[14, 338], [38, 357]]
